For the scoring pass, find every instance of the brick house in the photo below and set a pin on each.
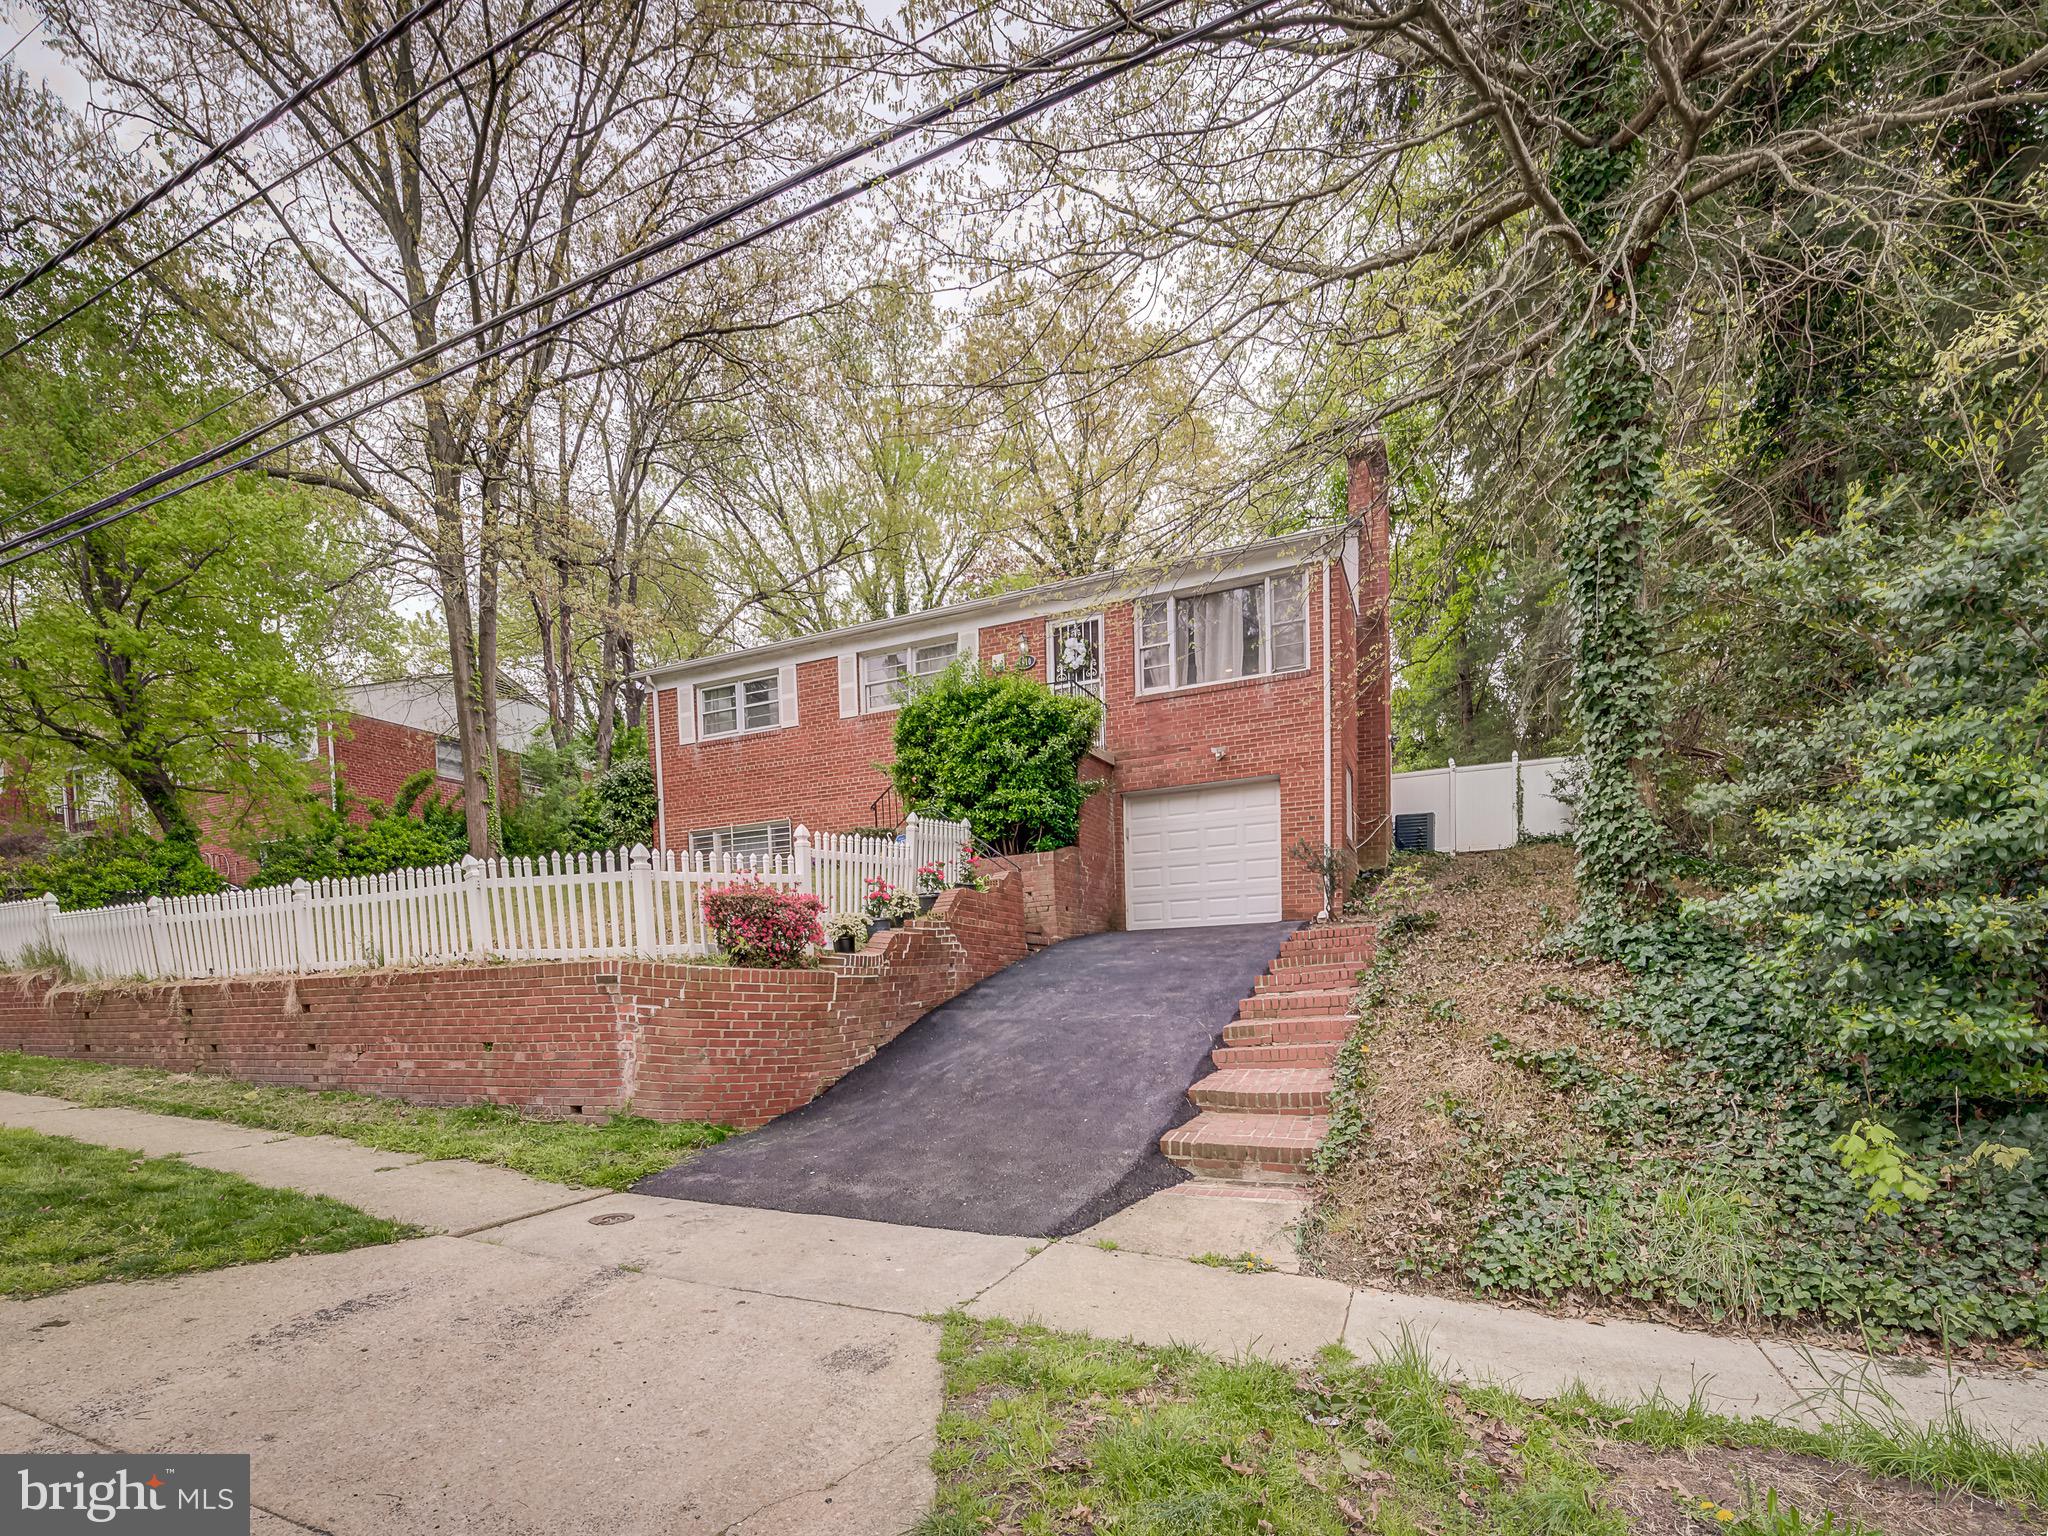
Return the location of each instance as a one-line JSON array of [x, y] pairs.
[[386, 732], [1245, 698]]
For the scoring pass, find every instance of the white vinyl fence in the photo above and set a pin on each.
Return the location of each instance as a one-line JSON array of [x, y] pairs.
[[635, 901], [1490, 805]]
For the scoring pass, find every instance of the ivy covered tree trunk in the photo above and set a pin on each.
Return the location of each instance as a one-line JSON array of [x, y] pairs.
[[1613, 448]]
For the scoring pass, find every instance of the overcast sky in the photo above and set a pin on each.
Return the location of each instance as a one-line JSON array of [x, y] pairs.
[[34, 59]]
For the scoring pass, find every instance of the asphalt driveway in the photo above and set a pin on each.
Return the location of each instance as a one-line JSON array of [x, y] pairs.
[[1031, 1105]]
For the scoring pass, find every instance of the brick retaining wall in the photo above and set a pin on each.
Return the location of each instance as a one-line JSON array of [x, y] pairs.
[[582, 1037]]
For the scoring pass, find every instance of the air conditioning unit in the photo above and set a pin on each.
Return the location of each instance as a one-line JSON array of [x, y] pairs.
[[1415, 832]]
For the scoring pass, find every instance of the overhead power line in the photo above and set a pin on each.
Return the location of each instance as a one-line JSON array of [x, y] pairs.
[[268, 187], [31, 32], [843, 156], [75, 525], [402, 311], [241, 136]]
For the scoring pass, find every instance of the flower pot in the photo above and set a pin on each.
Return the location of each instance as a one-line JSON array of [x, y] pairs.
[[926, 903], [844, 944], [879, 925]]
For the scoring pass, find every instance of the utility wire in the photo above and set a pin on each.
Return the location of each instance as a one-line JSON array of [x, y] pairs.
[[31, 32], [410, 364], [241, 136], [508, 257], [519, 35]]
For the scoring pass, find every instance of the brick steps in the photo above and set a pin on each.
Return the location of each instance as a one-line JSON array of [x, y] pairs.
[[1317, 1000], [1269, 1149], [1265, 1091], [1293, 1053], [1302, 978], [1287, 1028], [1266, 1106], [1309, 946]]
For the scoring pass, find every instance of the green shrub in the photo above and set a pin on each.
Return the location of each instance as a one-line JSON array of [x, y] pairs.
[[617, 808], [1908, 921], [108, 868], [562, 809], [417, 830], [1000, 751]]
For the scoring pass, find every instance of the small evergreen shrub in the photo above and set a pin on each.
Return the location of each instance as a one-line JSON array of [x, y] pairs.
[[760, 924]]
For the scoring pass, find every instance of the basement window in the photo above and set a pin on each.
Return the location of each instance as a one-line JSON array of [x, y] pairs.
[[750, 838]]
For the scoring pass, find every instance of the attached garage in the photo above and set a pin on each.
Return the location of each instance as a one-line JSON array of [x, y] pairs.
[[1203, 856]]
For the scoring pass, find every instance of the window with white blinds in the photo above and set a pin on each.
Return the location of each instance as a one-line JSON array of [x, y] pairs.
[[751, 838]]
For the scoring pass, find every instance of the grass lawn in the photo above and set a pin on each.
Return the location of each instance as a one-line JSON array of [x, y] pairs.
[[1047, 1432], [72, 1213], [604, 1154]]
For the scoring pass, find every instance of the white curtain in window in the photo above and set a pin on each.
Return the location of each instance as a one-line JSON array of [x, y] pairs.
[[1219, 635]]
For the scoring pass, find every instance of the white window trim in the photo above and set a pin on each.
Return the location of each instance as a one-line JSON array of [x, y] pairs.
[[1265, 582], [1055, 623], [738, 685], [961, 648]]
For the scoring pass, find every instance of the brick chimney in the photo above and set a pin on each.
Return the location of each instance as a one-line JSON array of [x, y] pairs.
[[1370, 512]]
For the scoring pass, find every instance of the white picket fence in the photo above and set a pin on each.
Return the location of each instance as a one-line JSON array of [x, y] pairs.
[[1487, 805], [629, 902]]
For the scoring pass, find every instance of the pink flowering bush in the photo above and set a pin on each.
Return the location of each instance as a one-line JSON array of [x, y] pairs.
[[931, 879], [973, 870], [761, 924]]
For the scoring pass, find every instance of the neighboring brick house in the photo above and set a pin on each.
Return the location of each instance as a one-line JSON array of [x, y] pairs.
[[394, 730], [387, 733], [1245, 695]]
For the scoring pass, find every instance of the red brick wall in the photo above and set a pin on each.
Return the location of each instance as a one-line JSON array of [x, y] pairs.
[[1077, 890], [826, 772], [822, 772], [578, 1037], [743, 1046], [372, 758]]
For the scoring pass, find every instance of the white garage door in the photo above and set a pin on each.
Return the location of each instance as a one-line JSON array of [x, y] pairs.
[[1206, 855]]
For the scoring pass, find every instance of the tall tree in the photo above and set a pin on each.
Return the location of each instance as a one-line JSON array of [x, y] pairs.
[[188, 650], [621, 118]]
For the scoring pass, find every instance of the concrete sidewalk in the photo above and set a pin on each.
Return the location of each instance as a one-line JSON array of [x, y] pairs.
[[591, 1360]]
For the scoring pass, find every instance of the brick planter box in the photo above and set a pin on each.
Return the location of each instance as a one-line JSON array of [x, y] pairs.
[[582, 1037]]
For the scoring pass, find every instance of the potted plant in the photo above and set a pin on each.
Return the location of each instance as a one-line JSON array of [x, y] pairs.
[[972, 876], [880, 904], [931, 880], [902, 908], [848, 932]]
